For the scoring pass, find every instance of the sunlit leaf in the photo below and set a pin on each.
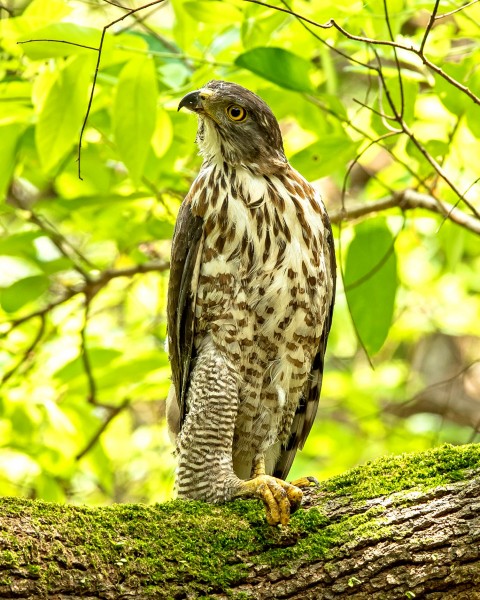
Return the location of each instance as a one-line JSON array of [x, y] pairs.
[[213, 11], [134, 113], [99, 357], [163, 135], [60, 118], [22, 292], [46, 10], [325, 157], [278, 65], [370, 280]]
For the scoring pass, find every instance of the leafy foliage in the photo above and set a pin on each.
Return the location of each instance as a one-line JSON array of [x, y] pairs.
[[380, 108]]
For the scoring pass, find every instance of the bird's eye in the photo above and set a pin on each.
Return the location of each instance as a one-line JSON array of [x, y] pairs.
[[236, 113]]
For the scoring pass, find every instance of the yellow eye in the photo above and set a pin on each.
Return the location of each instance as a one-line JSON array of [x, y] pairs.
[[236, 113]]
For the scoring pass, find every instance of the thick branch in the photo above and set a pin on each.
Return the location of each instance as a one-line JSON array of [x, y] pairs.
[[405, 527], [407, 200]]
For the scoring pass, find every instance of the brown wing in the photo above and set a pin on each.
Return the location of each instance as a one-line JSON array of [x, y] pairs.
[[307, 407], [186, 251]]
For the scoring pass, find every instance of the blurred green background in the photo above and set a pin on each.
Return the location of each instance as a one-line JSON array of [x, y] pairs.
[[84, 262]]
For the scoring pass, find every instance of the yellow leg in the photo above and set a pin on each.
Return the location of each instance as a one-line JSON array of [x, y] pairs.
[[258, 467]]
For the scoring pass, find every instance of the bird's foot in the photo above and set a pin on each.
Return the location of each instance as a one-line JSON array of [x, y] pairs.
[[279, 497]]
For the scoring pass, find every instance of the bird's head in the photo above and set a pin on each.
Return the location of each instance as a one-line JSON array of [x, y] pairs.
[[236, 126]]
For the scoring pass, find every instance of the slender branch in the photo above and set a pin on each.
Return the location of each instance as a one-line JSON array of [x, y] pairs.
[[438, 168], [397, 62], [61, 243], [87, 365], [456, 10], [58, 42], [356, 161], [27, 352], [363, 133], [443, 159], [332, 23], [113, 412], [429, 26], [303, 23], [408, 200], [90, 288], [95, 76]]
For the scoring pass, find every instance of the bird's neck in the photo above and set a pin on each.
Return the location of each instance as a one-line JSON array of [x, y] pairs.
[[216, 150]]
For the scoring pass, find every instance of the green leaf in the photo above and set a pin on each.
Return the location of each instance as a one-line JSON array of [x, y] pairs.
[[134, 115], [163, 135], [60, 118], [22, 292], [99, 358], [370, 281], [322, 158], [454, 101], [278, 65]]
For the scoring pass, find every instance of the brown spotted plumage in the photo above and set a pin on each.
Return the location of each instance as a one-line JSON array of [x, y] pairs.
[[250, 304]]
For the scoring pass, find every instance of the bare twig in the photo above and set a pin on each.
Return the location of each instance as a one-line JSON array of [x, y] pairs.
[[113, 411], [358, 38], [456, 10], [58, 42], [64, 246], [378, 140], [87, 365], [95, 76], [397, 62], [438, 168], [90, 288], [429, 26], [27, 353]]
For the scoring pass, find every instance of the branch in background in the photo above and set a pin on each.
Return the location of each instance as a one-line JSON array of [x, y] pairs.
[[87, 365], [407, 200], [456, 10], [113, 412], [27, 353], [98, 50], [377, 140], [366, 40], [91, 288], [9, 11]]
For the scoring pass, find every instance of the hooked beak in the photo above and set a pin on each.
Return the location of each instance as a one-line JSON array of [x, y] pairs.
[[194, 100]]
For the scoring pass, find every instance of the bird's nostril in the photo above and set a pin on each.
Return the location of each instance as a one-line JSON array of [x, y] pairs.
[[203, 96]]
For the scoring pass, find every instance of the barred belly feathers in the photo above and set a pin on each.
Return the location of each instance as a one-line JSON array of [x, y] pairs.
[[249, 310]]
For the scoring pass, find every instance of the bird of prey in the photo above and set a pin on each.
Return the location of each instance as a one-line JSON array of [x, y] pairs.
[[250, 302]]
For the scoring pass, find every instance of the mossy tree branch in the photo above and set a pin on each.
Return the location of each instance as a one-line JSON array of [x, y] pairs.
[[402, 527]]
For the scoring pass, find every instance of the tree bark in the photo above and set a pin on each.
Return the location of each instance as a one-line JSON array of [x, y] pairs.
[[401, 527]]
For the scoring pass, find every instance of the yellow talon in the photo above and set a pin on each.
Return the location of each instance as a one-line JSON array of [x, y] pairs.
[[279, 497], [305, 482]]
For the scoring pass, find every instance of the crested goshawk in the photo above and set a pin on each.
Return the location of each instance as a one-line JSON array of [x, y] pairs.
[[250, 301]]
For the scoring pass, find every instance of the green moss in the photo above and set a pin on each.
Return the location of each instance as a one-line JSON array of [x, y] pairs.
[[33, 570], [8, 558], [206, 547], [389, 474]]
